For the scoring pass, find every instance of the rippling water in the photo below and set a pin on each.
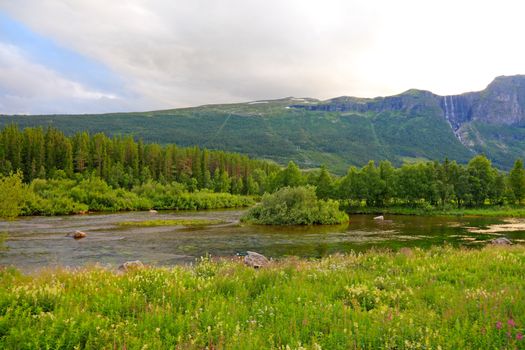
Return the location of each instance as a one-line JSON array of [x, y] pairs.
[[35, 242]]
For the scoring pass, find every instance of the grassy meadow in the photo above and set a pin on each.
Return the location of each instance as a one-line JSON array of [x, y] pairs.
[[441, 298]]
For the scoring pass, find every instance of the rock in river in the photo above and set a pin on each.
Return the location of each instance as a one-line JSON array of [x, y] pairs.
[[255, 260], [380, 217], [78, 235]]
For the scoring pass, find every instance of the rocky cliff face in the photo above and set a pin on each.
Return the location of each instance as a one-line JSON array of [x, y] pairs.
[[502, 103], [411, 102]]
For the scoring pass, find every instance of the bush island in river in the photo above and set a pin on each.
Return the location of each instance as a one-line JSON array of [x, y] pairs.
[[295, 206], [439, 298]]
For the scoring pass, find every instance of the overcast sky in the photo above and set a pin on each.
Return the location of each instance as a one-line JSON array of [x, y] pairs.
[[86, 56]]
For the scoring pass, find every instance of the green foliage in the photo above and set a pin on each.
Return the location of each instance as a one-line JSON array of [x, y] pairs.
[[295, 206], [324, 187], [52, 197], [64, 196], [11, 195], [412, 299], [59, 197], [122, 162], [373, 185], [222, 181], [122, 174], [430, 184], [502, 143], [517, 181], [99, 196], [175, 196], [481, 178]]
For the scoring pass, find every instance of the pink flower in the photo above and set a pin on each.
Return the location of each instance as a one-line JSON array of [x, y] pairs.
[[519, 336], [499, 325], [511, 322]]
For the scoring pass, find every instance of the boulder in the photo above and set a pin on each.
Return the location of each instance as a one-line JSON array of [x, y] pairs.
[[380, 217], [501, 241], [255, 260], [153, 211], [131, 265]]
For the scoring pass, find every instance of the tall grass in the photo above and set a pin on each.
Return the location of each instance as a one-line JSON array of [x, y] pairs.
[[442, 298]]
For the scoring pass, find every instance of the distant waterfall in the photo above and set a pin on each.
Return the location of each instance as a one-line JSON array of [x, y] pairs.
[[450, 115]]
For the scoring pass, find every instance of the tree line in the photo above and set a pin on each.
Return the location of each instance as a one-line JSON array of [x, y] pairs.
[[438, 184], [124, 162]]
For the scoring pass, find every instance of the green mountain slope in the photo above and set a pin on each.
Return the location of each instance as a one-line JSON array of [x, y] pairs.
[[415, 125]]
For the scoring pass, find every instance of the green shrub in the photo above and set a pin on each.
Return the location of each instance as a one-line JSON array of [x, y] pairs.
[[295, 206], [175, 196], [11, 195], [63, 196]]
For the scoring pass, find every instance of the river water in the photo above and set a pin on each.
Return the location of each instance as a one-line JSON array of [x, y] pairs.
[[36, 242]]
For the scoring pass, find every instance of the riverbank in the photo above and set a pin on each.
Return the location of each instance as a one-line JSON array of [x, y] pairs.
[[438, 298], [503, 211], [238, 202]]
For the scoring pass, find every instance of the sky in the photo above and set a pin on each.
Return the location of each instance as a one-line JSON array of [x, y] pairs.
[[95, 56]]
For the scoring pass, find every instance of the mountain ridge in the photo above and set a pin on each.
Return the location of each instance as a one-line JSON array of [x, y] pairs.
[[411, 126]]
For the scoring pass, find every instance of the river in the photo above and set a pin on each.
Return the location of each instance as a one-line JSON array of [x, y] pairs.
[[36, 242]]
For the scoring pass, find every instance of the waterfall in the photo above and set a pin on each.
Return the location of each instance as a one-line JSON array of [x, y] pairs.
[[452, 107], [450, 116], [447, 113]]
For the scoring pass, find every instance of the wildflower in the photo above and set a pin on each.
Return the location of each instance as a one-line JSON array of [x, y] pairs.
[[499, 325], [519, 336], [511, 322]]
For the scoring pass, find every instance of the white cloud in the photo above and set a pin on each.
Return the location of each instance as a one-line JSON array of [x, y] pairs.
[[27, 87], [179, 53]]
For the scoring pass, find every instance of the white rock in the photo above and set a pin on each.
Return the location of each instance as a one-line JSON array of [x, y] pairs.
[[501, 241], [255, 260], [131, 265]]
